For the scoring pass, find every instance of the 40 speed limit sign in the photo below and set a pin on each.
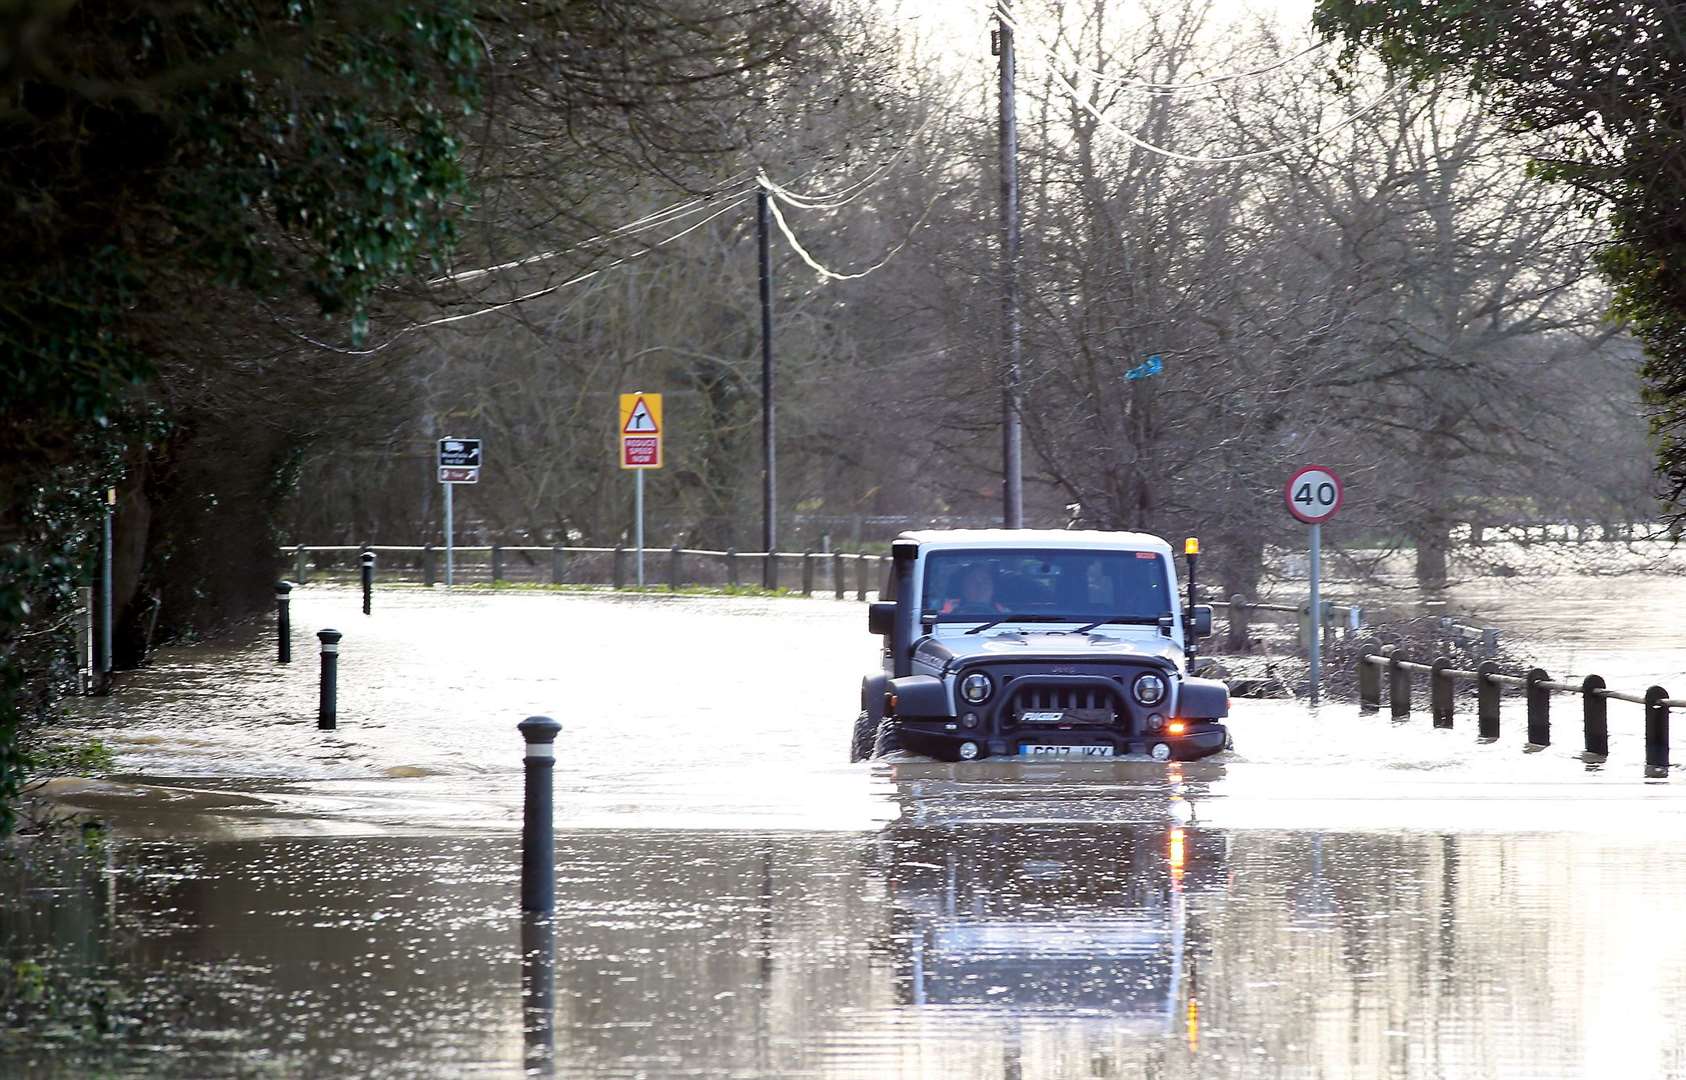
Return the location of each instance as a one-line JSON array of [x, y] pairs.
[[1313, 494]]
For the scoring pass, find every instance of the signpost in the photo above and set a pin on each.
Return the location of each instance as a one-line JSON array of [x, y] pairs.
[[1313, 495], [641, 431], [459, 463]]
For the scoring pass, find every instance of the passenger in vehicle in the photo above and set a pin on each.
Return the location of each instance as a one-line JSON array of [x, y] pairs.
[[977, 594]]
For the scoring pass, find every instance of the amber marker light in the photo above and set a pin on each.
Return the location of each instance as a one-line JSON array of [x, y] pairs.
[[1176, 727], [1191, 546]]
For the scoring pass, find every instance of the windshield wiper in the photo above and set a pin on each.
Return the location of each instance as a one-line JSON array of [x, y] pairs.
[[1132, 620], [981, 627]]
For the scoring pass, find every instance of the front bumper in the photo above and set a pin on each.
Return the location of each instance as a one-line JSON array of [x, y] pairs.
[[933, 739]]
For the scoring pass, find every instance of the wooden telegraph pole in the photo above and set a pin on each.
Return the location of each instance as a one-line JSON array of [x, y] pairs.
[[1012, 443]]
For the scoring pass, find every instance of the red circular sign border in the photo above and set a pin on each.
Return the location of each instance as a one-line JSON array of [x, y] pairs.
[[1288, 493]]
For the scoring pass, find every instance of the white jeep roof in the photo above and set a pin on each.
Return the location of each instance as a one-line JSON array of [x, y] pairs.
[[1038, 538]]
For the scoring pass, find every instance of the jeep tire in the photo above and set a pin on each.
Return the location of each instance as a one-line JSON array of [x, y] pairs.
[[889, 738], [866, 732]]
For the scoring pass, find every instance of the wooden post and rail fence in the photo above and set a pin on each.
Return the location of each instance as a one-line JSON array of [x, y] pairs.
[[837, 572], [1537, 687]]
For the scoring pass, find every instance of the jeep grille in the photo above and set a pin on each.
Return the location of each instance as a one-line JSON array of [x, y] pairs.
[[1081, 704]]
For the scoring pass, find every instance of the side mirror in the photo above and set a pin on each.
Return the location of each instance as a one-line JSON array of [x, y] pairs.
[[1202, 620], [881, 617]]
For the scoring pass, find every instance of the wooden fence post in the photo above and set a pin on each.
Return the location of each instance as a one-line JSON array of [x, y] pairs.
[[429, 569], [619, 571], [1487, 701], [860, 577], [1238, 623], [1440, 692], [1656, 732], [1369, 678], [1399, 686], [732, 568], [1539, 708], [838, 584], [807, 573], [675, 567], [556, 564], [1595, 713], [497, 563]]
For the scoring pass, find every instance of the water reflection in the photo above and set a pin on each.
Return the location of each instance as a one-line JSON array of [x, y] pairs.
[[930, 948]]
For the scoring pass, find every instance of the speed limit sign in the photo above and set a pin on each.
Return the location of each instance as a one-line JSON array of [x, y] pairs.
[[1313, 494]]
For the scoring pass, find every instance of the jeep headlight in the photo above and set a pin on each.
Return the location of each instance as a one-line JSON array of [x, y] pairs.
[[976, 688], [1149, 688]]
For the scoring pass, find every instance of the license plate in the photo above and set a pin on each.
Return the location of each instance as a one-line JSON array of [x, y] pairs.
[[1042, 718], [1065, 751]]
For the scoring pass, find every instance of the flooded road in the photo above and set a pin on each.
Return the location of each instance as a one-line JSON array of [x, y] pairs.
[[1342, 896]]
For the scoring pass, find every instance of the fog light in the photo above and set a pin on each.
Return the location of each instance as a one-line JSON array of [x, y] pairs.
[[1155, 721], [969, 750], [970, 719], [1150, 689], [975, 688], [1160, 751]]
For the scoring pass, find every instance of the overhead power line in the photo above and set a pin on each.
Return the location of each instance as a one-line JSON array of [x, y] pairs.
[[684, 208], [843, 196], [825, 271], [1227, 159], [533, 295], [1122, 82]]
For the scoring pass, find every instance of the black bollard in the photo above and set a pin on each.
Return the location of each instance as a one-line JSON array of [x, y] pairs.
[[538, 995], [1656, 732], [283, 622], [327, 708], [538, 838], [368, 579]]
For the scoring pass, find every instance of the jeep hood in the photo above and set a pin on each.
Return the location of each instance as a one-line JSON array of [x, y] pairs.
[[1028, 645]]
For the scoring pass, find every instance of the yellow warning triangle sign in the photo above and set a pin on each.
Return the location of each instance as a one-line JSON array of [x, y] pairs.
[[640, 419]]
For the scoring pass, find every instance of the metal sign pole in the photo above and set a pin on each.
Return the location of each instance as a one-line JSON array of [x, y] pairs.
[[638, 522], [448, 533], [1316, 611]]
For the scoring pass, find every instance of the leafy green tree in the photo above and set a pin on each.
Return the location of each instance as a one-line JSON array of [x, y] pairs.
[[156, 161], [1604, 81]]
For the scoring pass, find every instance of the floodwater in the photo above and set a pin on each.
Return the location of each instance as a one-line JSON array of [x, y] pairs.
[[1343, 896]]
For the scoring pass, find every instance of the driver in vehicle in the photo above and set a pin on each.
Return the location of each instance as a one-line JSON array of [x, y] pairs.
[[977, 595]]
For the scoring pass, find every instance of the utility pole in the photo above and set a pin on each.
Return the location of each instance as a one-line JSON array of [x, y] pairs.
[[1012, 443], [769, 459]]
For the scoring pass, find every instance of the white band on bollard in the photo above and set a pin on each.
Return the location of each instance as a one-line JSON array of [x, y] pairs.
[[331, 647], [541, 750]]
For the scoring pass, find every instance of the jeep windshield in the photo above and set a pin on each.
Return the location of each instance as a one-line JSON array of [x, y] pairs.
[[1081, 585]]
